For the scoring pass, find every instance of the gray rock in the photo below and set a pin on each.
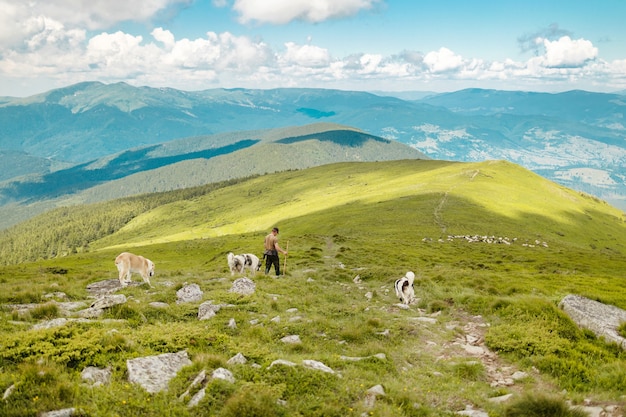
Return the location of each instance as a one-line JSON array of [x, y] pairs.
[[108, 301], [101, 288], [8, 392], [222, 373], [96, 376], [243, 286], [91, 313], [58, 294], [281, 362], [66, 412], [199, 379], [601, 319], [189, 293], [293, 339], [153, 373], [316, 365], [195, 400], [158, 304], [207, 310], [238, 359], [371, 395], [48, 324]]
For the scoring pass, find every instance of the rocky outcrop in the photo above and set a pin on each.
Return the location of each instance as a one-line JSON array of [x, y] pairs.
[[602, 319]]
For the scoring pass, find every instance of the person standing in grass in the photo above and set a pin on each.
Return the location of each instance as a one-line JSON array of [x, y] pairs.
[[271, 252]]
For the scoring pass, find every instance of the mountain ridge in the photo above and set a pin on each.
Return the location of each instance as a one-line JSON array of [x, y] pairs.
[[195, 161], [575, 138]]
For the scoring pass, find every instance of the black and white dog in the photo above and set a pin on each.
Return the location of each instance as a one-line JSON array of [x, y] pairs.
[[404, 288], [238, 263]]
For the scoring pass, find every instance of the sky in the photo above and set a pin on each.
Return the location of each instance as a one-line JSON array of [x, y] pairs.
[[364, 45]]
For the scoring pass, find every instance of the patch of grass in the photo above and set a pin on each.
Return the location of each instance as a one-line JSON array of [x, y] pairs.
[[539, 405], [46, 311]]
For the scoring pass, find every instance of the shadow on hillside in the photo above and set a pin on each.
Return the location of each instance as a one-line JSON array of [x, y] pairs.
[[80, 177], [340, 137]]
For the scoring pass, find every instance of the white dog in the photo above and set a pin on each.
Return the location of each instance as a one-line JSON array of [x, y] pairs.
[[238, 263], [404, 288], [127, 263]]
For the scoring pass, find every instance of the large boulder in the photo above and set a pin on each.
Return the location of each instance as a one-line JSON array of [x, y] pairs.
[[601, 319]]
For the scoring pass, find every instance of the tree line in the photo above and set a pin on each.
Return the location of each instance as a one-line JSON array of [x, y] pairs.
[[66, 230]]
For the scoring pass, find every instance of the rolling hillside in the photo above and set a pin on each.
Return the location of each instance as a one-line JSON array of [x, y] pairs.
[[494, 247], [575, 138]]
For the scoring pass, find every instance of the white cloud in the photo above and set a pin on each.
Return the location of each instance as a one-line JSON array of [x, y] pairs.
[[568, 53], [306, 55], [443, 60], [281, 11], [164, 36], [22, 19]]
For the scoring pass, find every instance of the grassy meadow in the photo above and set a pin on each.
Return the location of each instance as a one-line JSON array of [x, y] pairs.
[[372, 220]]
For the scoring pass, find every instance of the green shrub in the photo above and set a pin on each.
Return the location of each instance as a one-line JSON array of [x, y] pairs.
[[542, 406]]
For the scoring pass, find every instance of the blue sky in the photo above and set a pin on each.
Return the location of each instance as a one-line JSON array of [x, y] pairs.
[[371, 45]]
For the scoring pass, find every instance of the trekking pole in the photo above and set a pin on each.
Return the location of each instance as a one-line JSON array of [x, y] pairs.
[[285, 267]]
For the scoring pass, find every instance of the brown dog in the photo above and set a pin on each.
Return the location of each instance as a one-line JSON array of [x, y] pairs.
[[127, 263]]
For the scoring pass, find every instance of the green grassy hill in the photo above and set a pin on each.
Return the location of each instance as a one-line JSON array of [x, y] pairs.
[[374, 220]]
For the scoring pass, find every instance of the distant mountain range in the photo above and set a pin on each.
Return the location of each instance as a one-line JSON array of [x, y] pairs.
[[70, 140]]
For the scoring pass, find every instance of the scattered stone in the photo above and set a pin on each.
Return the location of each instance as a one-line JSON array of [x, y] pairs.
[[8, 392], [232, 324], [281, 362], [58, 322], [108, 301], [208, 310], [57, 294], [592, 411], [275, 319], [293, 339], [316, 365], [384, 333], [518, 375], [500, 399], [371, 395], [243, 286], [224, 374], [190, 293], [238, 359], [429, 320], [380, 356], [66, 412], [105, 287], [158, 304], [471, 412], [153, 373], [195, 400], [199, 379], [96, 376], [292, 310], [357, 279], [369, 295]]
